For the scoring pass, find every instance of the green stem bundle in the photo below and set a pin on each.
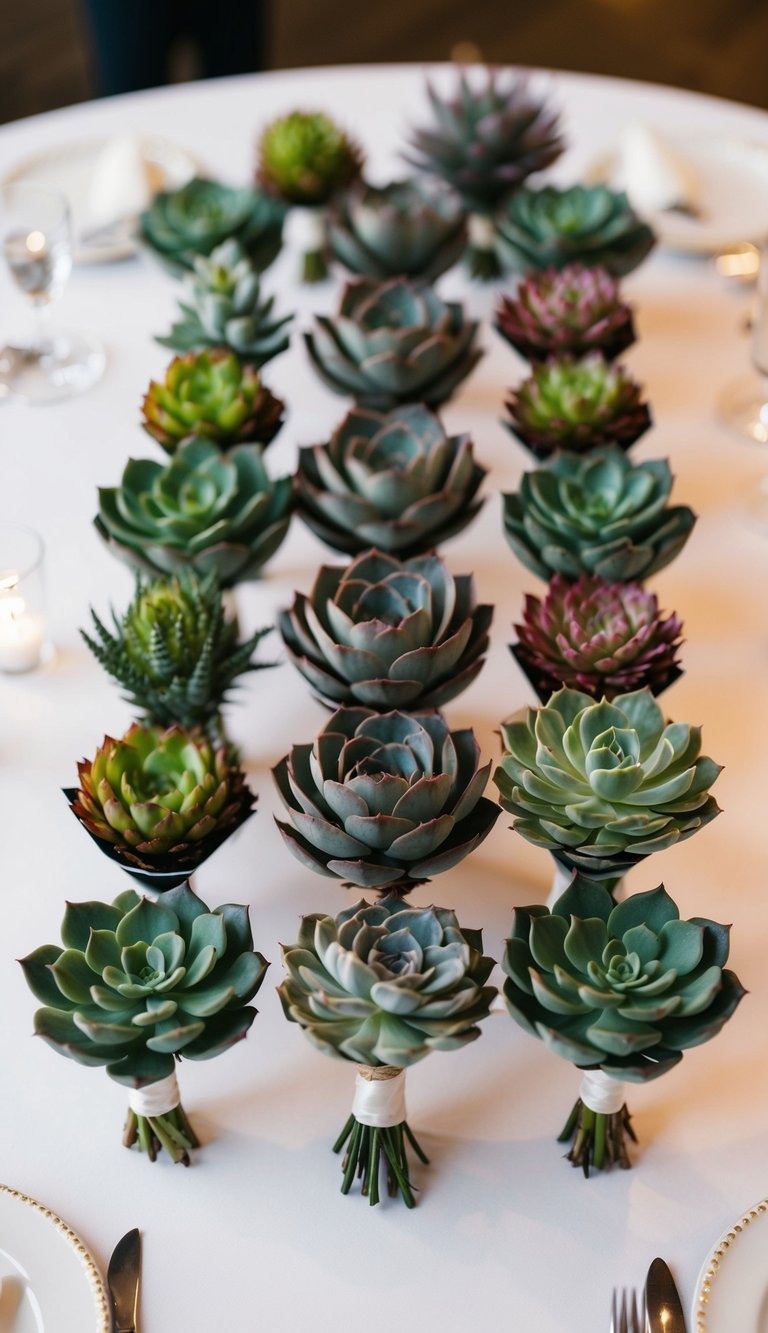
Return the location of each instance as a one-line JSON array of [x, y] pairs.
[[372, 1152], [171, 1132], [597, 1139]]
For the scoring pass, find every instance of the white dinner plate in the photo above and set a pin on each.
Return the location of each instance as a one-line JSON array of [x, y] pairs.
[[732, 1290], [50, 1283]]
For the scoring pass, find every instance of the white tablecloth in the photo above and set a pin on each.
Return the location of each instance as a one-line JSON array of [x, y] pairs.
[[256, 1234]]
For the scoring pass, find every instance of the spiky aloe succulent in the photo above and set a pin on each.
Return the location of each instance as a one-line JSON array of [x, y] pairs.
[[601, 638], [388, 633], [223, 307], [393, 480], [551, 227], [624, 990], [384, 800], [394, 342], [205, 509], [213, 395], [603, 785], [577, 404], [139, 986], [174, 651], [193, 220], [409, 228], [566, 312], [596, 514], [485, 139], [385, 985]]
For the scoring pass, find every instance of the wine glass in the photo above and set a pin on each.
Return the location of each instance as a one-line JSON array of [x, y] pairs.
[[35, 232], [744, 405]]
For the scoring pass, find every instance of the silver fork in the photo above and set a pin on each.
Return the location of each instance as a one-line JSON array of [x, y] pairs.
[[628, 1312]]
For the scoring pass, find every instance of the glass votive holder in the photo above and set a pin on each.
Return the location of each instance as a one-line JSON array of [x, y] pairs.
[[23, 642]]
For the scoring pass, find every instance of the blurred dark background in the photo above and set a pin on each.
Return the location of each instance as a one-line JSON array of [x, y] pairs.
[[716, 46]]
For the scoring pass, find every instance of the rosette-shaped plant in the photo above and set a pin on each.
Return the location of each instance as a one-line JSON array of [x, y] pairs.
[[394, 342], [223, 307], [596, 514], [214, 395], [411, 228], [577, 404], [589, 224], [621, 989], [174, 651], [566, 312], [384, 800], [205, 509], [385, 985], [394, 480], [139, 986], [388, 633], [180, 224], [602, 638], [603, 785]]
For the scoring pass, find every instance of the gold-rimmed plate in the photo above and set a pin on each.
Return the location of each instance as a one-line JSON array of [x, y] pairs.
[[732, 1290], [50, 1282]]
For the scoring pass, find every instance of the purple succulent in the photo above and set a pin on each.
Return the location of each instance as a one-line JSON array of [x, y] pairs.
[[569, 311], [577, 404]]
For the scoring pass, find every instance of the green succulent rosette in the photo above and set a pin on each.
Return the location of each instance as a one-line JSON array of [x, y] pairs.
[[174, 652], [193, 220], [205, 509], [596, 513], [388, 633], [385, 800], [223, 307], [550, 227], [139, 986], [384, 985], [212, 395], [620, 991], [603, 785], [577, 404], [409, 228], [394, 342]]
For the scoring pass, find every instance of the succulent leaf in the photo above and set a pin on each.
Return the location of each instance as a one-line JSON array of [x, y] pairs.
[[181, 224], [577, 404], [213, 395], [305, 158]]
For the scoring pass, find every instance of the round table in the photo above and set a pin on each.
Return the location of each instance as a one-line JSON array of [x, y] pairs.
[[256, 1235]]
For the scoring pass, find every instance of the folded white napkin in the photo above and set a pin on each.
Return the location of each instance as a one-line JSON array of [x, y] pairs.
[[654, 175], [122, 183]]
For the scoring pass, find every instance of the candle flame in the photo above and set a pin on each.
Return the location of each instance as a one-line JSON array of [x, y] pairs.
[[35, 242]]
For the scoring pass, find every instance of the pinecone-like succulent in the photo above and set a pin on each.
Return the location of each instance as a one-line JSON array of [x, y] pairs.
[[602, 785], [566, 312], [410, 228], [577, 405], [223, 307], [305, 157], [552, 227], [394, 342], [601, 638], [211, 394], [383, 800], [393, 480], [388, 633], [181, 224], [204, 509], [174, 652], [596, 514]]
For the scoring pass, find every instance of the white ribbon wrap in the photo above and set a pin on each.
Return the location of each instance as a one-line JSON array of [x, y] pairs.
[[482, 231], [156, 1098], [603, 1095], [560, 882], [307, 229], [380, 1102]]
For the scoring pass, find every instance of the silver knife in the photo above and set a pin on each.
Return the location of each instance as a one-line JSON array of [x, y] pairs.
[[665, 1312], [123, 1281]]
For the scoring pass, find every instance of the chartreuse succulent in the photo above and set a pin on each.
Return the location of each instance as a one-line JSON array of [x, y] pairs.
[[139, 986], [223, 306], [195, 219], [550, 227], [603, 785], [385, 800], [486, 137], [619, 991], [383, 985], [569, 311], [394, 342], [213, 395], [577, 404], [174, 651], [409, 228], [596, 514], [388, 633], [204, 509], [393, 480]]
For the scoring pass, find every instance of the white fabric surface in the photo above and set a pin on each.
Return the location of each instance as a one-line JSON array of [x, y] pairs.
[[380, 1102], [256, 1234], [156, 1098]]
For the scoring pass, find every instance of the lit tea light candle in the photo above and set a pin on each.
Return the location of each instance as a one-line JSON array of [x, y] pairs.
[[22, 632]]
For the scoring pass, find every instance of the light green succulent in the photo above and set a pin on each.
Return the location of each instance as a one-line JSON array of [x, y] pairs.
[[304, 158], [577, 404], [411, 228], [214, 395], [195, 219], [550, 227]]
